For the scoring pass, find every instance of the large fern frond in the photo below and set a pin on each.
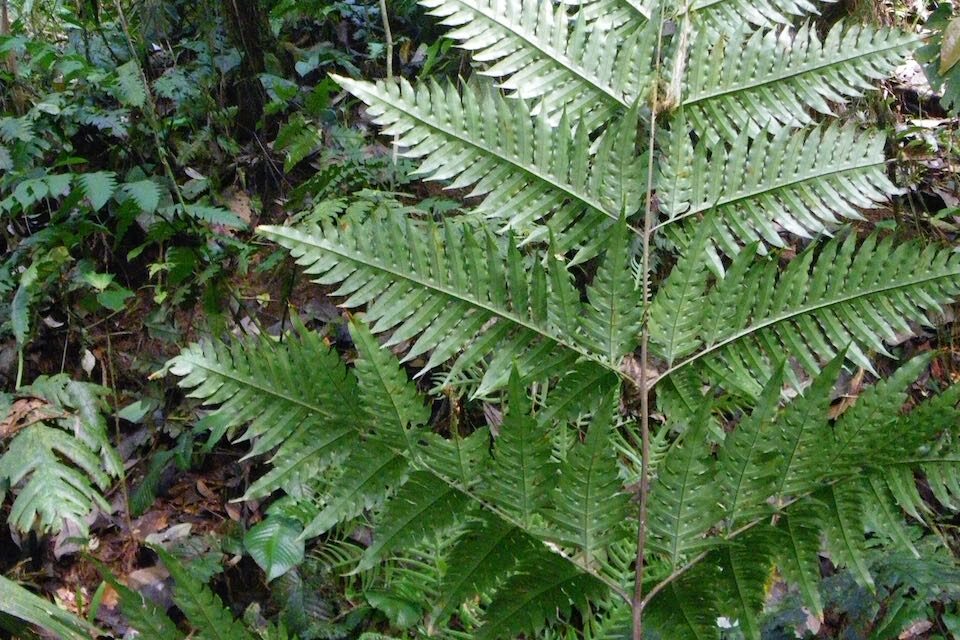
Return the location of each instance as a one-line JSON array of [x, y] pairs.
[[59, 459], [540, 52], [846, 297], [804, 182], [458, 292], [526, 170], [296, 397], [758, 79]]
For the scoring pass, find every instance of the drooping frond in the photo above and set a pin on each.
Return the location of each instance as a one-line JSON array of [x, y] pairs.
[[543, 587], [758, 79], [527, 171], [799, 544], [746, 566], [845, 527], [425, 504], [457, 292], [846, 297], [804, 182], [486, 551], [201, 606], [21, 604], [295, 395], [63, 479], [538, 51]]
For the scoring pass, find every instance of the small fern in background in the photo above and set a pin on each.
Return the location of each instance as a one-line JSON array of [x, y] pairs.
[[614, 134], [56, 457]]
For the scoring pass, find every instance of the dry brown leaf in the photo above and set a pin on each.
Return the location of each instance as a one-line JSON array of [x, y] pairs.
[[240, 204], [23, 413]]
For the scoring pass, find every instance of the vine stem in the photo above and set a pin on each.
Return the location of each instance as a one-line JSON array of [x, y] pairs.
[[638, 602], [388, 36]]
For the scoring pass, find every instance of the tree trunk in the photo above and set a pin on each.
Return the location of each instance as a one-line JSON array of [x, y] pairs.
[[248, 29]]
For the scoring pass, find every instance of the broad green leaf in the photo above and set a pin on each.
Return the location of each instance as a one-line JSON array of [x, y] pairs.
[[133, 93], [21, 604], [145, 193], [98, 187], [275, 544]]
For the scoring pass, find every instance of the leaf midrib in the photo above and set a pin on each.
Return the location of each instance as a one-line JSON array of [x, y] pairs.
[[531, 170]]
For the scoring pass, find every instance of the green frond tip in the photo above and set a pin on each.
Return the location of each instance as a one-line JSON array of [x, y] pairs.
[[98, 187], [394, 409], [684, 497], [521, 476], [424, 505], [589, 503], [488, 549], [542, 591]]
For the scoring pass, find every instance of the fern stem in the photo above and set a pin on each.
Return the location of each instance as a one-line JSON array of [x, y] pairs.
[[388, 36], [642, 515]]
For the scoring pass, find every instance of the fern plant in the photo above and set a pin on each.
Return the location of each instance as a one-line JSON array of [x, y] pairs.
[[55, 454], [619, 135]]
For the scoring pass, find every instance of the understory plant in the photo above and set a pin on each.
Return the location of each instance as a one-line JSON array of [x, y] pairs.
[[623, 296]]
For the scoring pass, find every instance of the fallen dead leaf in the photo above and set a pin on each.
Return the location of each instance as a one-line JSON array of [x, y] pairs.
[[239, 203], [23, 413], [206, 491], [915, 630]]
